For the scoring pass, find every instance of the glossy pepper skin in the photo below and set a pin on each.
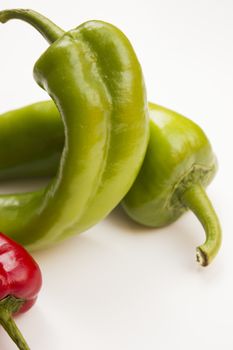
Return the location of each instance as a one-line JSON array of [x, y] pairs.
[[178, 165], [101, 99], [20, 283]]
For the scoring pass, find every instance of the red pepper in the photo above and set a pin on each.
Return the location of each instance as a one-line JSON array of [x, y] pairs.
[[20, 282]]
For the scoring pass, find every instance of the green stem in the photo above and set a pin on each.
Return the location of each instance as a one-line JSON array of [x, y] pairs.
[[50, 31], [7, 307], [196, 199]]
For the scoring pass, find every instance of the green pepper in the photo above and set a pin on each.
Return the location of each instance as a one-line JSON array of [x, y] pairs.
[[179, 164], [101, 99]]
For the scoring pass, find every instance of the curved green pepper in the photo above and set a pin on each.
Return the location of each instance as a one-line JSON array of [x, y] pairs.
[[179, 163], [102, 101]]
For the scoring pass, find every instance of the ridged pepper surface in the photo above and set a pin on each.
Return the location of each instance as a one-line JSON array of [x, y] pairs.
[[94, 77]]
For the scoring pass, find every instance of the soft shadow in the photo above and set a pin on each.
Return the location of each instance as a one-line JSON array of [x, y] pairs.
[[120, 219], [71, 246], [184, 235]]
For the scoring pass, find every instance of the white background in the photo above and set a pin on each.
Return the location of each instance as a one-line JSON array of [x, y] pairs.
[[121, 286]]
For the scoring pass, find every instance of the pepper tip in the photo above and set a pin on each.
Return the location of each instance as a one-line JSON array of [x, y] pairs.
[[201, 257]]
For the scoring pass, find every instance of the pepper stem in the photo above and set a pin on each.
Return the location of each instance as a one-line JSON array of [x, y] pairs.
[[50, 31], [196, 199], [8, 306]]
